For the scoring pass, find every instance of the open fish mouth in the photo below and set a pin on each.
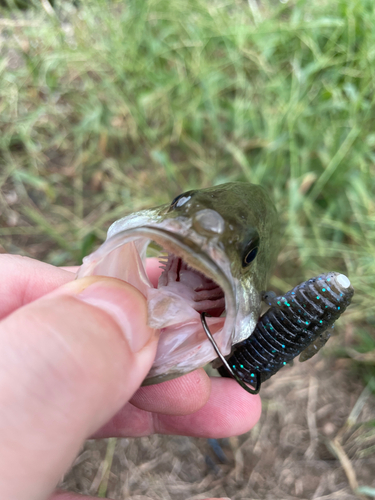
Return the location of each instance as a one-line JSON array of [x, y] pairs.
[[218, 246], [206, 295], [195, 278]]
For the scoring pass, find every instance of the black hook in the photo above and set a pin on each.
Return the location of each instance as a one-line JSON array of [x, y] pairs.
[[225, 362]]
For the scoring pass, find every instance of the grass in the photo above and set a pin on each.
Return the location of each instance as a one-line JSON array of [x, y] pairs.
[[110, 107], [113, 107]]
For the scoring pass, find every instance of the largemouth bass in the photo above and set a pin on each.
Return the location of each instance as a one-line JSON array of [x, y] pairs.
[[218, 248]]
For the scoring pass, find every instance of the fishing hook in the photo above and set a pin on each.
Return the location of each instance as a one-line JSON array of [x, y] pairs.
[[225, 362]]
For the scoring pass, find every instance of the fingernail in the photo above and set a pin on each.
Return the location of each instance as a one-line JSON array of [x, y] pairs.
[[125, 305]]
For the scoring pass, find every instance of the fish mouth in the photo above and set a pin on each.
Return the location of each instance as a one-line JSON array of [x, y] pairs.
[[195, 278], [207, 296]]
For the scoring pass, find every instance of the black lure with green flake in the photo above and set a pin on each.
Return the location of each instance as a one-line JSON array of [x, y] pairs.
[[298, 322]]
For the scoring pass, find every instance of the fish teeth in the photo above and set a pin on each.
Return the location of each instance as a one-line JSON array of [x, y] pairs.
[[163, 260]]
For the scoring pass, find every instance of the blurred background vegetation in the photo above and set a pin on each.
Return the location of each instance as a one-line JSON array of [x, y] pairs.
[[108, 107]]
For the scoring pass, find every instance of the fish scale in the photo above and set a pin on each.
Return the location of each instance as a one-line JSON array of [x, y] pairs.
[[292, 324]]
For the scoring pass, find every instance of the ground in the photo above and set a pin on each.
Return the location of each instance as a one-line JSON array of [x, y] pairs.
[[298, 450]]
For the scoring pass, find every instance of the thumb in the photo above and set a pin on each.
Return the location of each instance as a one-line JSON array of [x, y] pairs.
[[69, 362]]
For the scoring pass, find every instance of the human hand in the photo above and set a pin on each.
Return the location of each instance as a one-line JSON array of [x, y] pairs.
[[73, 354]]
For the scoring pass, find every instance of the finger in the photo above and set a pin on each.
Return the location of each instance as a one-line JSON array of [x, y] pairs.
[[69, 362], [179, 396], [230, 411], [24, 280], [71, 269]]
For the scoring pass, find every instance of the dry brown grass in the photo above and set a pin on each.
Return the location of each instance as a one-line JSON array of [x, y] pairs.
[[309, 444]]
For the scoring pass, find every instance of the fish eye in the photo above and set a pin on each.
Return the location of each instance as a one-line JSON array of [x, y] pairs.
[[180, 200], [250, 252]]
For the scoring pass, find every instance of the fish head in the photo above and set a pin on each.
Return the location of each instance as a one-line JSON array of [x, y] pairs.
[[218, 248]]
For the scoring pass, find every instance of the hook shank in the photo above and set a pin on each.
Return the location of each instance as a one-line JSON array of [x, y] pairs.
[[225, 362]]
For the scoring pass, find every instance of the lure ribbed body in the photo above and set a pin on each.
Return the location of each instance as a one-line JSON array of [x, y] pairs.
[[297, 321]]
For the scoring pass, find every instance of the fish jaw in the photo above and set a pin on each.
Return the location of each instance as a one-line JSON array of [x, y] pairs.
[[183, 345]]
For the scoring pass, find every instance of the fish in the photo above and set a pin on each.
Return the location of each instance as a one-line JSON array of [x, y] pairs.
[[218, 247], [299, 322]]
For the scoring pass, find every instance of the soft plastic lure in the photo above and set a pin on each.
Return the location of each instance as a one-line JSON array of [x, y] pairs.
[[299, 322]]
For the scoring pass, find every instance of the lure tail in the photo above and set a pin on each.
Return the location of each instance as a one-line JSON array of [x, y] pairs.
[[298, 322]]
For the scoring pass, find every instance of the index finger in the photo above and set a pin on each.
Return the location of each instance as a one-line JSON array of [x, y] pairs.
[[229, 411], [24, 280]]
